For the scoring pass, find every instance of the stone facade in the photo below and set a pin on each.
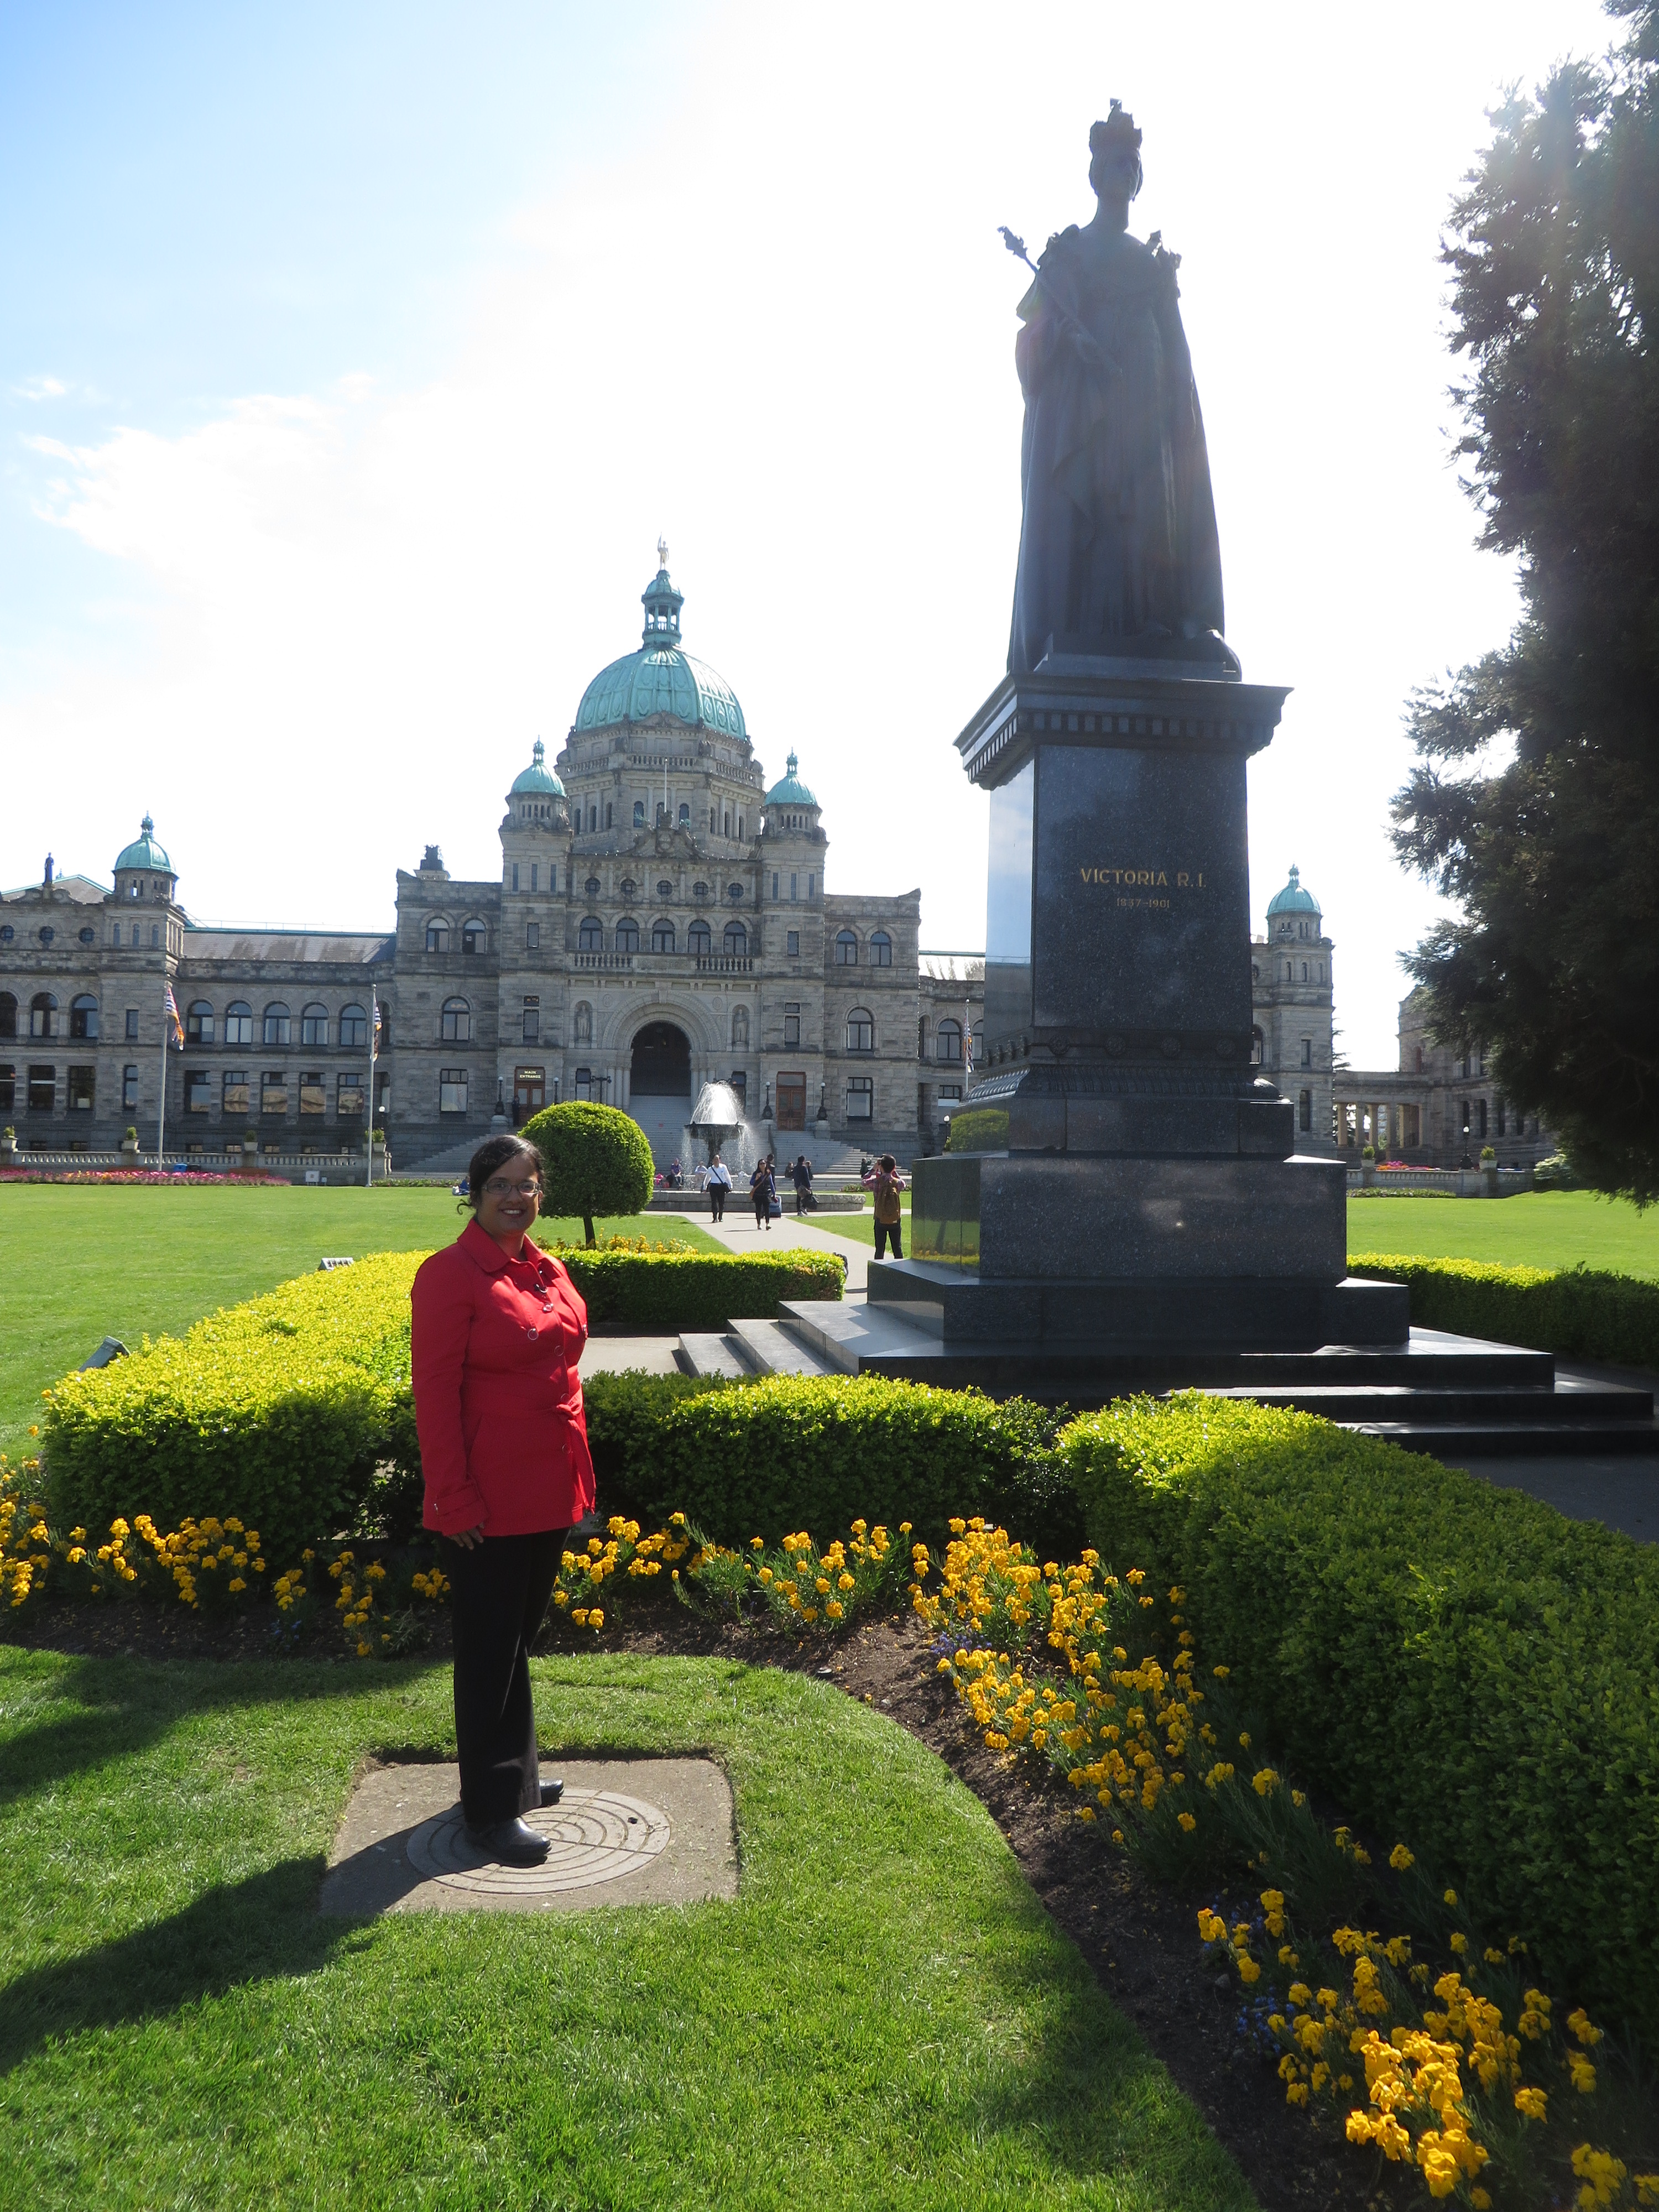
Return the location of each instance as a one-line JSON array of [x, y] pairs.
[[661, 919], [1439, 1109], [1293, 1038]]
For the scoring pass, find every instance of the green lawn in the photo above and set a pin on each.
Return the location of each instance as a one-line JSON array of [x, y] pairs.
[[1534, 1229], [884, 2015], [860, 1228], [81, 1262]]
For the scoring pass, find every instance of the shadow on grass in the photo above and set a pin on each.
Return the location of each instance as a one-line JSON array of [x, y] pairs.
[[125, 1706], [238, 1933]]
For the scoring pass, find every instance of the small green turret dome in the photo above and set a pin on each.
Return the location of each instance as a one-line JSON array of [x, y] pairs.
[[537, 780], [1293, 899], [661, 678], [791, 792], [146, 853]]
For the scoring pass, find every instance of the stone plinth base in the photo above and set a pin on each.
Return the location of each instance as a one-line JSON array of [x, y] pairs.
[[1096, 1316]]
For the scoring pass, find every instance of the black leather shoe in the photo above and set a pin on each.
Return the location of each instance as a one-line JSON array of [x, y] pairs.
[[551, 1792], [510, 1843]]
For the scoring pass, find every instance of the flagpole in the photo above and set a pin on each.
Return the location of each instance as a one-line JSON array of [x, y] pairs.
[[161, 1109], [373, 1025]]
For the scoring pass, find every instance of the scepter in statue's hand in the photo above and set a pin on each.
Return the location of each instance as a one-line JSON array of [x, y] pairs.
[[1088, 346]]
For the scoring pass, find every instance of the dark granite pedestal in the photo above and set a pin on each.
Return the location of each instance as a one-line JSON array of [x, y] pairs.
[[1120, 1176]]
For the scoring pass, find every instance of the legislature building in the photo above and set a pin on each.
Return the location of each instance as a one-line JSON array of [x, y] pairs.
[[661, 918]]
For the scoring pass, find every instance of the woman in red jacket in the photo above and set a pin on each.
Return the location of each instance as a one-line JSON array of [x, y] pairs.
[[499, 1328]]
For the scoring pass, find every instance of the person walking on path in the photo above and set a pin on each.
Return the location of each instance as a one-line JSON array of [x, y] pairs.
[[801, 1175], [763, 1188], [498, 1331], [887, 1184], [719, 1181]]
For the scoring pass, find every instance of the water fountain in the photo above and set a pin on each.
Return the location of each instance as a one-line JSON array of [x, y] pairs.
[[717, 1120]]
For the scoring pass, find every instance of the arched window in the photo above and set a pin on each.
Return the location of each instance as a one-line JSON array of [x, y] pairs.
[[861, 1030], [740, 1029], [277, 1025], [43, 1015], [1418, 1070], [737, 941], [1305, 1109], [8, 1015], [979, 1043], [590, 937], [583, 1083], [455, 1023], [847, 949], [639, 814], [238, 1022], [881, 949], [628, 934], [686, 816], [353, 1027], [474, 936], [437, 934], [581, 1028], [83, 1016], [699, 939], [1258, 1047], [949, 1044], [199, 1022], [314, 1024], [662, 937]]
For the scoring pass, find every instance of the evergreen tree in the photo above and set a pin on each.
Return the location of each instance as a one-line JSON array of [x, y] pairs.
[[1535, 803]]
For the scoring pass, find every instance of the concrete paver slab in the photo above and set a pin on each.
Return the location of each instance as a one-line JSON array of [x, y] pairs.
[[609, 1355], [627, 1831]]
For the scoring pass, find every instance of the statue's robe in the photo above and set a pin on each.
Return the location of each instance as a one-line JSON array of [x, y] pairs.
[[1119, 538]]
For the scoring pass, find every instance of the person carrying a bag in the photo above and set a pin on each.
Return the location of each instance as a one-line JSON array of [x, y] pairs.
[[763, 1189], [887, 1184]]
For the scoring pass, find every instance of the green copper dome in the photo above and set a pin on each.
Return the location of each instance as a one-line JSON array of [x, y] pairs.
[[146, 853], [1293, 899], [792, 792], [661, 678], [538, 779]]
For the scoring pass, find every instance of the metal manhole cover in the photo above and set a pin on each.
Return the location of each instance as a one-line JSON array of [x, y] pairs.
[[597, 1835]]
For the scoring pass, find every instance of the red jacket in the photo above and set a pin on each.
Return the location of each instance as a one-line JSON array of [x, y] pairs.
[[498, 1402]]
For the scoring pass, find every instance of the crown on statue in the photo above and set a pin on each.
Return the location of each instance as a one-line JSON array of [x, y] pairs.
[[1117, 131]]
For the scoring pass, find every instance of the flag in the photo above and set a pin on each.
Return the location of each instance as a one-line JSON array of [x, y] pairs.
[[967, 1042], [172, 1012], [374, 1017]]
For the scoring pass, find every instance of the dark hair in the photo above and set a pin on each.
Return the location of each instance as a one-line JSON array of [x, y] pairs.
[[888, 1162], [494, 1152]]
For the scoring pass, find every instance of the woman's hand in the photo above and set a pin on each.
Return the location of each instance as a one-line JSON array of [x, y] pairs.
[[467, 1538]]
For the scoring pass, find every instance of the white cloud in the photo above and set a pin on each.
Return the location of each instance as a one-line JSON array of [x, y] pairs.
[[39, 388], [783, 338]]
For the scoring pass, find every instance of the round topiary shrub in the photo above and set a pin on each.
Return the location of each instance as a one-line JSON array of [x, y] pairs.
[[595, 1159]]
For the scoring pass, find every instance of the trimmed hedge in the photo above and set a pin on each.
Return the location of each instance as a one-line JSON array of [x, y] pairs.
[[1459, 1666], [695, 1290], [276, 1411], [1576, 1312], [788, 1452]]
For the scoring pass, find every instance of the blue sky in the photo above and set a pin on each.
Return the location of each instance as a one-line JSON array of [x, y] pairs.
[[353, 359]]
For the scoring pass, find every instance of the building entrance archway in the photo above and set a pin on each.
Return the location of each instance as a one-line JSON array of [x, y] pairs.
[[662, 1062]]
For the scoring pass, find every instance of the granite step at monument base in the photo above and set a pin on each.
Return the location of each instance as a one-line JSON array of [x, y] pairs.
[[1452, 1396], [751, 1347]]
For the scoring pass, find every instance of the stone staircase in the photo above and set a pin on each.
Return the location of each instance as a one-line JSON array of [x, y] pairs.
[[1454, 1397]]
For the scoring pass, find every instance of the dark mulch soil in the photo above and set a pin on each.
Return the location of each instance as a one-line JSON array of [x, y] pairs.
[[1140, 1938]]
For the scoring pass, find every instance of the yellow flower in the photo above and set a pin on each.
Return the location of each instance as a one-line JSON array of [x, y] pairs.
[[1400, 1858], [1460, 1943], [1186, 1822], [1530, 2103]]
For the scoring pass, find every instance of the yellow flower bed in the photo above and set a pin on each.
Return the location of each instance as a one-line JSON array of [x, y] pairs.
[[1458, 2071]]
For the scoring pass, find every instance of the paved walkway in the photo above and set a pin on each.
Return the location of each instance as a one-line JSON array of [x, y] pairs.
[[739, 1233]]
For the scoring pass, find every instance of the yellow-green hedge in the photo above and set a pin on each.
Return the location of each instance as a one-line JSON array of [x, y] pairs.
[[276, 1411], [1451, 1661], [696, 1290], [1576, 1312]]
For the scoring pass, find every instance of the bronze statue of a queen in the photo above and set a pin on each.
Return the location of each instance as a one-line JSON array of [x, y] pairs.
[[1118, 550]]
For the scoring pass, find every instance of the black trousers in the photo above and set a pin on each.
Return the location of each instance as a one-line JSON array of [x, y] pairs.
[[501, 1586], [717, 1201], [884, 1230]]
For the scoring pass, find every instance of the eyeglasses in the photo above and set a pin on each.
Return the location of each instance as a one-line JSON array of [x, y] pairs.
[[499, 1187]]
